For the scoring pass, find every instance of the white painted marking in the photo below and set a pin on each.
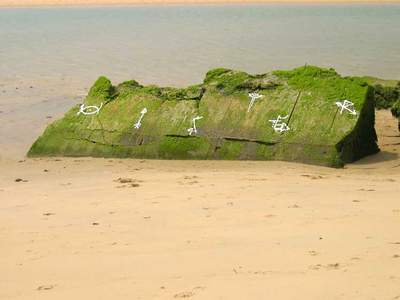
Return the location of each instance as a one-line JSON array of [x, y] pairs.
[[138, 124], [89, 110], [346, 105], [253, 96], [194, 128], [278, 125]]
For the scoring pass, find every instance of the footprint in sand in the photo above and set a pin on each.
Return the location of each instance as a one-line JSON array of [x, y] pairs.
[[189, 294], [269, 216], [184, 295], [189, 180], [257, 179], [124, 180], [294, 206], [129, 185], [317, 267], [48, 214], [313, 177], [127, 182]]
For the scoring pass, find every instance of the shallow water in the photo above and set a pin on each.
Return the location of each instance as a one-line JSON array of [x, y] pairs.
[[50, 56]]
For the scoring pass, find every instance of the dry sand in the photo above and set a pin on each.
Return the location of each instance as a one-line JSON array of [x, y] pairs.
[[71, 229], [17, 3]]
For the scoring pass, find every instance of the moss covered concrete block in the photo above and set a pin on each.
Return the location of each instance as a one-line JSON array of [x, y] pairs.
[[305, 97]]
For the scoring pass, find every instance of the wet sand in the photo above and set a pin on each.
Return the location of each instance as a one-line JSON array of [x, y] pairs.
[[143, 229]]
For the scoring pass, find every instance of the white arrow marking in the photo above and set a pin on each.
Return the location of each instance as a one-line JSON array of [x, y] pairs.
[[139, 122], [254, 96]]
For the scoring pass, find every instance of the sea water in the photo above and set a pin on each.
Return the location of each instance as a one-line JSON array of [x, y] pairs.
[[177, 44]]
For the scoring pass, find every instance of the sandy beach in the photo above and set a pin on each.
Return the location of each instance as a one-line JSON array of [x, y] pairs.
[[141, 229], [100, 228]]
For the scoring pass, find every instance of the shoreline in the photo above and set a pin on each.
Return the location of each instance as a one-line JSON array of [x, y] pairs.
[[72, 3]]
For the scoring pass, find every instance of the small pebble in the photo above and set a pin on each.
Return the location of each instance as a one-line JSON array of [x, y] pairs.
[[20, 180]]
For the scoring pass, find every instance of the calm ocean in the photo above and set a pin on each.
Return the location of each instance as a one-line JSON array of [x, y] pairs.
[[176, 45]]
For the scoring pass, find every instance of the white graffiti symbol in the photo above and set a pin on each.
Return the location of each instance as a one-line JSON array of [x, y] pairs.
[[253, 96], [194, 128], [89, 110], [278, 125], [346, 105], [139, 122]]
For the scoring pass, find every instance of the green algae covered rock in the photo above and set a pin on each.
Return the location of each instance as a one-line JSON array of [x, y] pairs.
[[131, 120], [387, 95]]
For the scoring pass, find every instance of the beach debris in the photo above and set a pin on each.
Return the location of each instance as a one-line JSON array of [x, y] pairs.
[[124, 180], [253, 96], [334, 266], [313, 176], [346, 105], [278, 125], [194, 128], [89, 110], [48, 214], [184, 295], [127, 182], [20, 180], [138, 124]]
